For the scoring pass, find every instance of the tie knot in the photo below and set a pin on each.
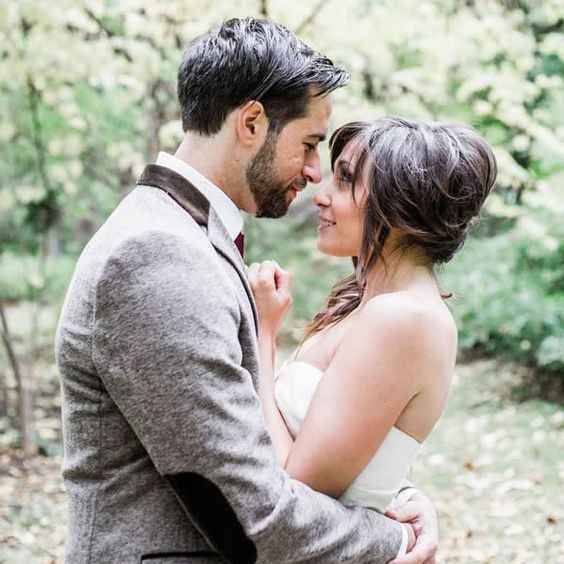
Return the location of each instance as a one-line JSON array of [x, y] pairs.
[[240, 244]]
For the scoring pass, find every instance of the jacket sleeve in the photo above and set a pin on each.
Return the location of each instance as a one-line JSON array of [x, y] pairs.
[[166, 345]]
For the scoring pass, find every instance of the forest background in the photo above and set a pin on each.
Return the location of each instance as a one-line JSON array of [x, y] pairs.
[[87, 98]]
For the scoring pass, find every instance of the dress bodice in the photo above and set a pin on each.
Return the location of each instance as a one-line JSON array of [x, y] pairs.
[[382, 477]]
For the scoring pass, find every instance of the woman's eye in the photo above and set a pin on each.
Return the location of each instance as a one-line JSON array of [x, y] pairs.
[[344, 177], [309, 147]]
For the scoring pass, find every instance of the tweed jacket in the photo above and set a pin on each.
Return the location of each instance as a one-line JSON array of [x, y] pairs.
[[167, 458]]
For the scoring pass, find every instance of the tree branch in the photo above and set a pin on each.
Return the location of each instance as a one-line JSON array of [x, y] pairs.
[[263, 10], [7, 339], [37, 137], [25, 400], [36, 127], [110, 33]]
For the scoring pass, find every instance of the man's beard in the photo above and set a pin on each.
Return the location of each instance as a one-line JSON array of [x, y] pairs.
[[269, 193]]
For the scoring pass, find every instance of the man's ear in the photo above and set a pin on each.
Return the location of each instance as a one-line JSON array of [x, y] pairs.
[[252, 124]]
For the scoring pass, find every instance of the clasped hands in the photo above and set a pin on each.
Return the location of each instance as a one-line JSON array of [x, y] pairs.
[[271, 287], [416, 510]]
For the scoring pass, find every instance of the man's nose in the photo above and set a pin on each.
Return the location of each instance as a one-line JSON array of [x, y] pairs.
[[312, 170]]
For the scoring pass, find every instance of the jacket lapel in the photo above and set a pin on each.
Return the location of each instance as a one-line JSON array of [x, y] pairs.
[[225, 246], [198, 206]]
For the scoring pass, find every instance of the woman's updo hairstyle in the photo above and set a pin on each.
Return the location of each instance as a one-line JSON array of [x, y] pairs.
[[426, 180]]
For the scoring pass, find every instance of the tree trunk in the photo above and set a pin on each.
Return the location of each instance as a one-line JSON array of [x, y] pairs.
[[4, 396], [52, 241], [25, 398]]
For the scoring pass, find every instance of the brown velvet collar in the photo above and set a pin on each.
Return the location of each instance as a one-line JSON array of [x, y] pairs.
[[179, 189]]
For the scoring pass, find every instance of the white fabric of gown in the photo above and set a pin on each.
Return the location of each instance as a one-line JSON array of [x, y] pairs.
[[382, 477]]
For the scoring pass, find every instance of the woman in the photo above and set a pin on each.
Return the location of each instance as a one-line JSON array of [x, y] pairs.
[[349, 411]]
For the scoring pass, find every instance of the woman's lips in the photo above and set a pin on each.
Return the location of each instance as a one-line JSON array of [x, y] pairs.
[[325, 224]]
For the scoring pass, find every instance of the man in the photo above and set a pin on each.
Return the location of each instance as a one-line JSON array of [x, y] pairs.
[[167, 459]]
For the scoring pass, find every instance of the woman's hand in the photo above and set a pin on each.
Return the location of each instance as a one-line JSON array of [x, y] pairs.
[[271, 288]]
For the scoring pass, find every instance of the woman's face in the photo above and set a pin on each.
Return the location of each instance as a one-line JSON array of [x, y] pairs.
[[341, 218]]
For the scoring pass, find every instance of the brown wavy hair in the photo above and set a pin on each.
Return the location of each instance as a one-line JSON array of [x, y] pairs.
[[427, 180]]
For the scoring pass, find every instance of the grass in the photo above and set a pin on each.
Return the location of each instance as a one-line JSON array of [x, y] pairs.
[[494, 467]]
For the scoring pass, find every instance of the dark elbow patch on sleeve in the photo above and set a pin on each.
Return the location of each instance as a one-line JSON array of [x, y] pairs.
[[213, 516]]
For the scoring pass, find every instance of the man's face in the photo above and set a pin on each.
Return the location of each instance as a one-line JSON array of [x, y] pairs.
[[287, 161]]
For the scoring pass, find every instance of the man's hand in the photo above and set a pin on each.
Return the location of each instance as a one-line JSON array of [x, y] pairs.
[[417, 510]]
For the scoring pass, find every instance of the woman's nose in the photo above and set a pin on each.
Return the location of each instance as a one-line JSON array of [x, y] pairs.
[[321, 197]]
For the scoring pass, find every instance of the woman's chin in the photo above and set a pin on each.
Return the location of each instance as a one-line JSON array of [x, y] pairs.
[[330, 250], [321, 247]]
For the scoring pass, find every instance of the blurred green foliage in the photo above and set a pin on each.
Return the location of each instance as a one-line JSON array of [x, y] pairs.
[[510, 293], [87, 93], [25, 278]]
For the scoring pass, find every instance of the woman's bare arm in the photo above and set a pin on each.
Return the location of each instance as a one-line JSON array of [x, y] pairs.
[[374, 374]]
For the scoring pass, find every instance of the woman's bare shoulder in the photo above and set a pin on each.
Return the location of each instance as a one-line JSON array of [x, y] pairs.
[[423, 333], [409, 311], [424, 328]]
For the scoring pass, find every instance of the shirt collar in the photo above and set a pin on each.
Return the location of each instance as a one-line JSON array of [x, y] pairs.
[[225, 208]]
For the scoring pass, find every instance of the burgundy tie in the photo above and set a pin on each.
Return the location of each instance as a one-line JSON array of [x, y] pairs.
[[240, 244]]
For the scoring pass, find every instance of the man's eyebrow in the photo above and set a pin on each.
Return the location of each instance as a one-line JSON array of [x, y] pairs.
[[320, 136]]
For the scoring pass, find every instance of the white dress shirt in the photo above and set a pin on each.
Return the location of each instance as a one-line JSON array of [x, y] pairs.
[[225, 208]]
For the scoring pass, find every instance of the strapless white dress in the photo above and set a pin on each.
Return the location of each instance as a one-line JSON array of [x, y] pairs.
[[383, 476]]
